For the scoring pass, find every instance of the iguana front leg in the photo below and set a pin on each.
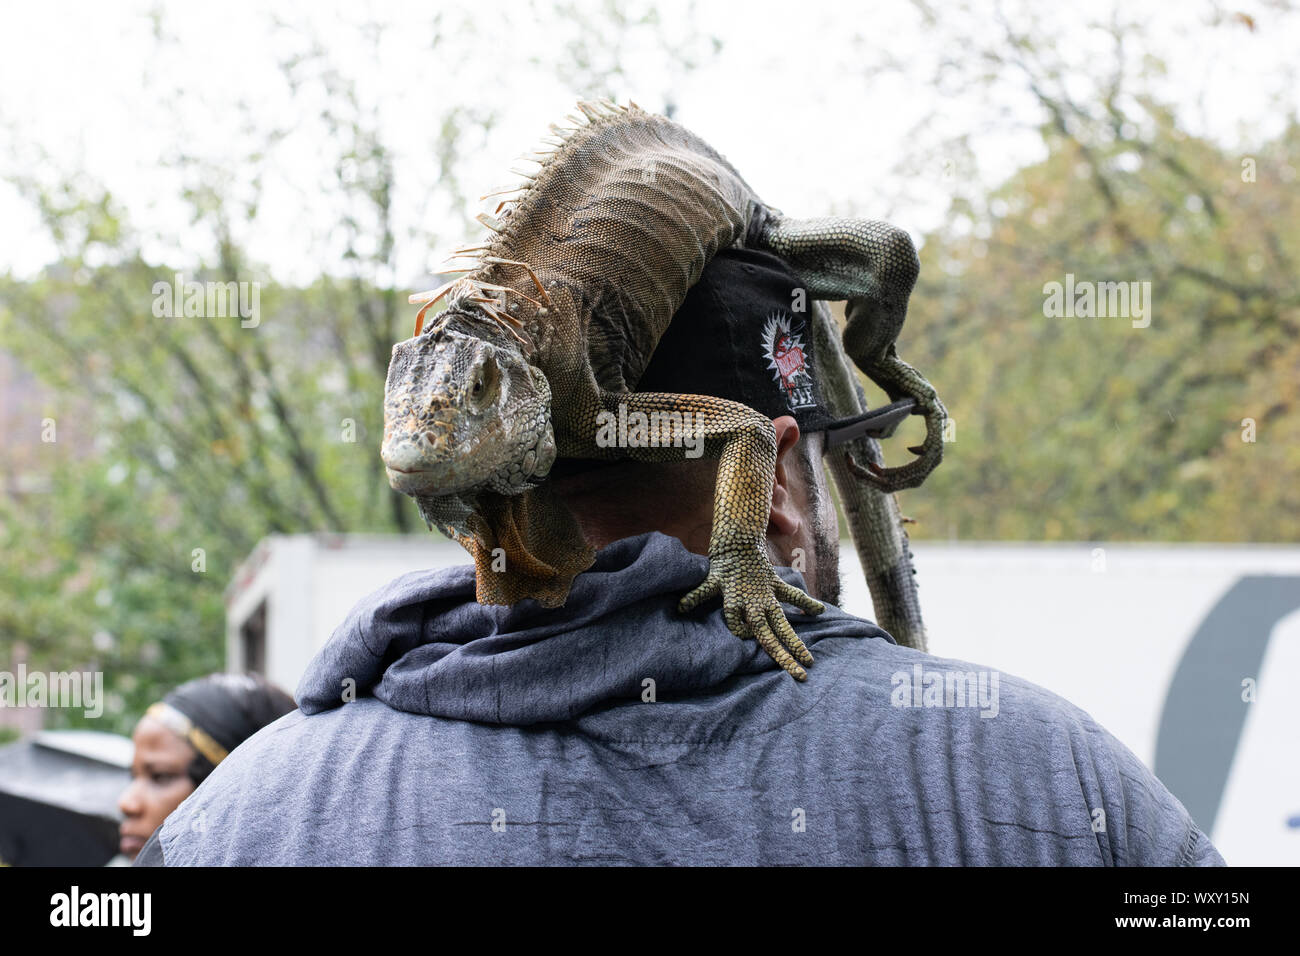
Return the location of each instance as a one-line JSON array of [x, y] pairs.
[[874, 266], [744, 442]]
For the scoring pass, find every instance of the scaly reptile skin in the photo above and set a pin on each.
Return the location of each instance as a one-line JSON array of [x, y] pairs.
[[558, 317]]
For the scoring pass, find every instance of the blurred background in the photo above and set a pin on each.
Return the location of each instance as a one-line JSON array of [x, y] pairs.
[[155, 471]]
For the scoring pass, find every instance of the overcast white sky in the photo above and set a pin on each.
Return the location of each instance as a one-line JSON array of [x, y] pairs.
[[785, 98]]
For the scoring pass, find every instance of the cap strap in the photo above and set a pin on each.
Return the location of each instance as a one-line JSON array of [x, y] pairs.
[[877, 423]]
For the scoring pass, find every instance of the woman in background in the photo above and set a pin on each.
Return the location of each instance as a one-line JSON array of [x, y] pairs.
[[180, 740]]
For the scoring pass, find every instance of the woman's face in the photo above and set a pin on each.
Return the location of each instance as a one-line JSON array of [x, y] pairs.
[[158, 783]]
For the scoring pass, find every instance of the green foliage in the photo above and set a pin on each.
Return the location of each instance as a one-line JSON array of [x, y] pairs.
[[179, 443], [1090, 428]]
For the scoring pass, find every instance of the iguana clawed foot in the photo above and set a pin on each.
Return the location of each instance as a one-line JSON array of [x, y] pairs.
[[873, 266], [751, 594], [900, 380]]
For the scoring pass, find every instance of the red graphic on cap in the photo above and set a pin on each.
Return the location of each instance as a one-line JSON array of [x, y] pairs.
[[784, 349], [788, 357]]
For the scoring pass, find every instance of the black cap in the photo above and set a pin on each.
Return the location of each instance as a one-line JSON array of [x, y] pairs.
[[745, 333]]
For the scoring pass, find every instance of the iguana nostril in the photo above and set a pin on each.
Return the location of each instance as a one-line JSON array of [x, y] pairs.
[[431, 438]]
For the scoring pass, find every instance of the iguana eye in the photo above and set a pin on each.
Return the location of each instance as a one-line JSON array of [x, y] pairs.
[[482, 386]]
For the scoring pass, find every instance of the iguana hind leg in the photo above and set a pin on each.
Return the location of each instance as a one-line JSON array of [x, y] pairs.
[[873, 266], [656, 426]]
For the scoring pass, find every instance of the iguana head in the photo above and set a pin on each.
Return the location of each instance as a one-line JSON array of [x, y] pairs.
[[465, 410]]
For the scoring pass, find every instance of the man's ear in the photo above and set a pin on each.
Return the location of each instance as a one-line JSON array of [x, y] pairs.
[[784, 517]]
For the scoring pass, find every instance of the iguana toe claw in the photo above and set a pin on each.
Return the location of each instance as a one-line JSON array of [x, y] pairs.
[[760, 626], [711, 588], [792, 595]]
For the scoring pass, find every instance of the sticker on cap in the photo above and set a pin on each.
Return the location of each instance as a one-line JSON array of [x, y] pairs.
[[788, 359]]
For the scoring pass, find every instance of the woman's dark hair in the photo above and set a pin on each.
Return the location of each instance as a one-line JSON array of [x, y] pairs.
[[225, 710]]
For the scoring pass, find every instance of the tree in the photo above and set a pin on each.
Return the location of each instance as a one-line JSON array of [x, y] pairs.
[[1090, 428], [180, 440]]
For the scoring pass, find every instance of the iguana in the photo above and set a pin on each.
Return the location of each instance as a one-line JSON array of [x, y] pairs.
[[556, 320]]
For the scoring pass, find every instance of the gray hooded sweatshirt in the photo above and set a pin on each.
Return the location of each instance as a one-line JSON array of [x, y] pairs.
[[434, 730]]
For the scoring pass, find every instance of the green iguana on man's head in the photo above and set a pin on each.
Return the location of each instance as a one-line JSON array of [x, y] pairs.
[[559, 314]]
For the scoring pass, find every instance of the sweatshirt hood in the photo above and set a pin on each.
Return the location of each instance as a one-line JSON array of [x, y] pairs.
[[424, 645]]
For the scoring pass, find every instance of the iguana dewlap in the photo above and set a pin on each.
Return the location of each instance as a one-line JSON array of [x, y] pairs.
[[553, 325]]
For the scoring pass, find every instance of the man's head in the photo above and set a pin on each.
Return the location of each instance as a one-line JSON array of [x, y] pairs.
[[676, 498], [744, 333]]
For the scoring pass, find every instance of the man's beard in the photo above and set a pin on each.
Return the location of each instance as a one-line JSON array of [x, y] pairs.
[[826, 551]]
